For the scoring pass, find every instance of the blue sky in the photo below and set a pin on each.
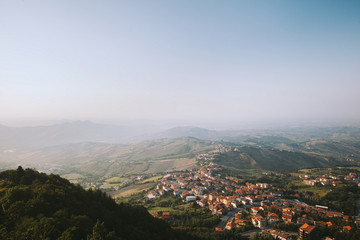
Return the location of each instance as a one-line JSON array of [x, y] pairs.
[[186, 60]]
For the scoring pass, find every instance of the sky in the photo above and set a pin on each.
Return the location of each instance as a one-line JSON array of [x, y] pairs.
[[200, 60]]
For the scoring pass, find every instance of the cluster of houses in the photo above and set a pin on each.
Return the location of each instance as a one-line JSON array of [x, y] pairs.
[[221, 148], [259, 204], [162, 215], [330, 179]]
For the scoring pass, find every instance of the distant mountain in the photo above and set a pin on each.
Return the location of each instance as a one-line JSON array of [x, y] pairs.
[[85, 131], [72, 132], [200, 133], [99, 150], [195, 132], [39, 206]]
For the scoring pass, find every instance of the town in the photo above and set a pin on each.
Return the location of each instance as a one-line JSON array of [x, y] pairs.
[[258, 205]]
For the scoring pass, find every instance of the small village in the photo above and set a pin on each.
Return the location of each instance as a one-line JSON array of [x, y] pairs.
[[330, 179], [242, 203]]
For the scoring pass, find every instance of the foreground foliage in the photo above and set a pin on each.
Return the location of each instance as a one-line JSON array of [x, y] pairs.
[[39, 206]]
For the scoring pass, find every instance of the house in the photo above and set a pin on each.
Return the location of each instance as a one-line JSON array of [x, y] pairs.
[[258, 221], [202, 202], [177, 192], [346, 229], [330, 224], [273, 218], [230, 225], [255, 210], [166, 214], [190, 199], [263, 185], [184, 194], [240, 222], [280, 235], [155, 214], [287, 217], [305, 231], [152, 194]]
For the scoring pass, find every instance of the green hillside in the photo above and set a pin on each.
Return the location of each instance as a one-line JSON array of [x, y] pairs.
[[106, 160], [294, 148], [271, 159], [166, 149], [39, 206]]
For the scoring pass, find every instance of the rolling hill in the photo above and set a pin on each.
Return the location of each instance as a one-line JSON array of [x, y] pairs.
[[248, 157], [105, 159], [95, 150]]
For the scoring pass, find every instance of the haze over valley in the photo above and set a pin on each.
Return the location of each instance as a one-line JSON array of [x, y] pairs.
[[189, 120], [98, 150]]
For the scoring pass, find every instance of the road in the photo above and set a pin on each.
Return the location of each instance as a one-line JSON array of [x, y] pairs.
[[252, 232], [227, 217]]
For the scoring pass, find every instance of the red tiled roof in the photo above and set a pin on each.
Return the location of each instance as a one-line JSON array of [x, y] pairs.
[[346, 228], [307, 228]]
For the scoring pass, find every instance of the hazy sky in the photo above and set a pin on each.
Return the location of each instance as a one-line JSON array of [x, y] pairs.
[[219, 60]]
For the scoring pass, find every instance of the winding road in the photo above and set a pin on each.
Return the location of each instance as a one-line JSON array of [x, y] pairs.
[[227, 217]]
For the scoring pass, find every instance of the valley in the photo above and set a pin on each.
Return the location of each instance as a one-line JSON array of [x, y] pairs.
[[97, 156], [263, 183]]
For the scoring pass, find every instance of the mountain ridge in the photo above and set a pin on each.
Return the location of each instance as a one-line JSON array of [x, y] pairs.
[[175, 149]]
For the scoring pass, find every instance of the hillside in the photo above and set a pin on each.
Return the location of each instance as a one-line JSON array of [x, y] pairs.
[[104, 159], [86, 150], [295, 148], [272, 159], [39, 206], [195, 132]]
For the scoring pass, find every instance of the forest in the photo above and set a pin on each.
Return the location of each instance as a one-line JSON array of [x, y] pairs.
[[39, 206]]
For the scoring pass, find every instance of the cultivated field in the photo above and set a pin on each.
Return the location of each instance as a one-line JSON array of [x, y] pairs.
[[133, 189]]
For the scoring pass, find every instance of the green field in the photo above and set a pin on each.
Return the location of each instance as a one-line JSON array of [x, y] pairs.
[[179, 209], [132, 189], [115, 180], [318, 191], [152, 179]]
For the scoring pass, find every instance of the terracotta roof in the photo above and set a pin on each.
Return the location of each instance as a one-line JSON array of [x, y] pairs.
[[307, 228], [346, 228], [166, 214]]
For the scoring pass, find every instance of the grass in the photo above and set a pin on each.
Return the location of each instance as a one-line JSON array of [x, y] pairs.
[[165, 165], [73, 176], [110, 185], [319, 191], [179, 209], [161, 209], [152, 179], [307, 170], [249, 174], [133, 189], [115, 180]]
